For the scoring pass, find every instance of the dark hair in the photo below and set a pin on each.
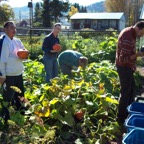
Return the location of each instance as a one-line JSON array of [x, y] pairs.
[[84, 60], [140, 24], [57, 24], [6, 24]]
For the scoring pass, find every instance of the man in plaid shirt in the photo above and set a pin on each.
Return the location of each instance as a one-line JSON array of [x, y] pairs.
[[126, 56]]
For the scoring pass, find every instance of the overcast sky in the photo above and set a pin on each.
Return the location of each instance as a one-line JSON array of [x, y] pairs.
[[21, 3]]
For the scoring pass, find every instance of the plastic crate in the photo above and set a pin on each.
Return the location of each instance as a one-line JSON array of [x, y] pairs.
[[136, 136], [135, 121], [136, 108]]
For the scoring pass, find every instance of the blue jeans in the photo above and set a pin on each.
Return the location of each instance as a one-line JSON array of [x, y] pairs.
[[51, 66]]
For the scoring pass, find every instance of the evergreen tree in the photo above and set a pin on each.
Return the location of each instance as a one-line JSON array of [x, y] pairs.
[[37, 16], [85, 9], [46, 13], [52, 11], [58, 8], [81, 9], [76, 5]]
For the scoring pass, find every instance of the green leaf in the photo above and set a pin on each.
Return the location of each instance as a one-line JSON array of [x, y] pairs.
[[37, 130], [54, 101], [16, 89], [78, 141], [45, 102], [67, 119], [41, 98], [114, 101], [89, 103]]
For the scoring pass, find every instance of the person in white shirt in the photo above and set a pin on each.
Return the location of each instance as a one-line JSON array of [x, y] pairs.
[[11, 66]]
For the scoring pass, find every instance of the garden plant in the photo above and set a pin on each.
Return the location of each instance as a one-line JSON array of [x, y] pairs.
[[80, 110]]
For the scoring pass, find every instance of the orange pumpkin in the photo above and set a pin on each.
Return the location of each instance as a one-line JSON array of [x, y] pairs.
[[23, 53], [57, 47], [79, 115]]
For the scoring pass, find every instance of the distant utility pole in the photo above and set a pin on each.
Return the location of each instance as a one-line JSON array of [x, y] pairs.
[[30, 6], [20, 16], [32, 12]]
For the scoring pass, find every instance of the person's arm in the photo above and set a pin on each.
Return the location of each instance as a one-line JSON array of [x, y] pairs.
[[46, 47], [75, 68], [138, 54], [57, 44], [2, 70], [20, 44], [21, 51], [3, 59], [2, 78], [126, 49]]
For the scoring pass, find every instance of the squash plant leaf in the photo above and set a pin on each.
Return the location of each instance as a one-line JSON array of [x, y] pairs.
[[114, 101], [67, 119], [16, 89], [54, 101]]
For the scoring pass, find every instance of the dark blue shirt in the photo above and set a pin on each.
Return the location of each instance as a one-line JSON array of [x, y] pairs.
[[48, 43]]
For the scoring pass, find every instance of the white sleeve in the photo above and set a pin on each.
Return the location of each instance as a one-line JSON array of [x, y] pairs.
[[3, 58], [20, 44], [4, 52], [2, 69]]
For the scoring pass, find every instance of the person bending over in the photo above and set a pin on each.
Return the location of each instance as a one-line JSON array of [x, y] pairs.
[[70, 60]]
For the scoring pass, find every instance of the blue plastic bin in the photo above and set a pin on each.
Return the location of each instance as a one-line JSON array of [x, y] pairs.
[[136, 108], [136, 136], [135, 121], [140, 99]]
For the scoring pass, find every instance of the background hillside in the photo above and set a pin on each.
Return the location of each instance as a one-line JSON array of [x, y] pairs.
[[96, 7], [23, 12]]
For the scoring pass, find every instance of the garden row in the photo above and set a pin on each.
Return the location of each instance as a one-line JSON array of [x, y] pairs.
[[79, 110]]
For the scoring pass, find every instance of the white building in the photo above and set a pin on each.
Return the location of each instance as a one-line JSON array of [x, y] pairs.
[[98, 21]]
